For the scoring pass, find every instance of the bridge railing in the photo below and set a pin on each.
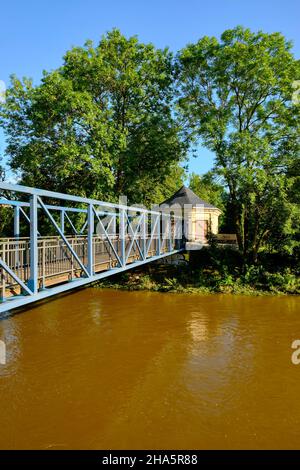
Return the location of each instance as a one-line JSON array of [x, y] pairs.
[[54, 260]]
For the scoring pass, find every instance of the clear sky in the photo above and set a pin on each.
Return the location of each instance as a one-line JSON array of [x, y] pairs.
[[34, 34]]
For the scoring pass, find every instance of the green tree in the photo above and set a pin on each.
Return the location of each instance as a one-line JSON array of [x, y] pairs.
[[101, 125], [208, 189], [236, 96], [6, 212]]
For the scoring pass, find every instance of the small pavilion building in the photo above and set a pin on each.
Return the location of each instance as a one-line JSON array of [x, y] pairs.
[[200, 218]]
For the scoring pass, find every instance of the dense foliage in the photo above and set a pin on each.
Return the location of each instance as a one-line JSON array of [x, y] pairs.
[[236, 96], [101, 125], [119, 118], [215, 270]]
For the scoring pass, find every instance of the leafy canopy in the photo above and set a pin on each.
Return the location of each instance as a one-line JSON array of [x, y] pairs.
[[236, 97], [101, 125]]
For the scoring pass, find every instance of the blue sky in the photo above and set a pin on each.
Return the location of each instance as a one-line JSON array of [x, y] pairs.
[[34, 35]]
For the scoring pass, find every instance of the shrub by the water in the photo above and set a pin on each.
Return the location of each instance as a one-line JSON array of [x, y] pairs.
[[213, 270]]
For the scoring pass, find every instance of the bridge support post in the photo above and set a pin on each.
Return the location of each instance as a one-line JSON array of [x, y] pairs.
[[33, 280], [158, 228], [62, 221], [90, 250], [170, 232], [16, 221], [17, 232], [122, 233], [144, 234]]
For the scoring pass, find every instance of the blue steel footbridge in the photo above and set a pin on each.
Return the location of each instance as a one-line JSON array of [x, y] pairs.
[[56, 256]]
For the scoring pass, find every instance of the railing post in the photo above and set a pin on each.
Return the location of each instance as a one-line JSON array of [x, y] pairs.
[[90, 250], [16, 221], [62, 221], [176, 233], [158, 246], [170, 232], [2, 272], [33, 280], [144, 233], [72, 260], [122, 236], [17, 233], [3, 291], [43, 263]]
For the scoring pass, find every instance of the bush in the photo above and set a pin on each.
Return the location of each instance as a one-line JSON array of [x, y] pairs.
[[285, 282], [212, 270]]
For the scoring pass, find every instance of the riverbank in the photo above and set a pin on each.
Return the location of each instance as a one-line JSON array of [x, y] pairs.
[[212, 272]]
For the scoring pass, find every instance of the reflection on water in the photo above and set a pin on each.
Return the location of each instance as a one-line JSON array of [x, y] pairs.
[[108, 369]]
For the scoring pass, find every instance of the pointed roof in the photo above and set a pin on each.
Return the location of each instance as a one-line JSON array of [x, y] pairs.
[[184, 196]]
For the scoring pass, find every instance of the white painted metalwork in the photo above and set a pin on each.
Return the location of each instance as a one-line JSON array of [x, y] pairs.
[[41, 265]]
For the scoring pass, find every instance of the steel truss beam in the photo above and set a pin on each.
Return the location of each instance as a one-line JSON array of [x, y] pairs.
[[30, 290]]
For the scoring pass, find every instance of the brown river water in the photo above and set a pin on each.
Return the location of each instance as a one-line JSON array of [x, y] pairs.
[[105, 369]]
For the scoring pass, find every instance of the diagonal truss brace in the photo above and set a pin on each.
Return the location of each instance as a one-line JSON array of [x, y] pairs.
[[152, 235], [15, 277], [133, 235], [63, 236], [107, 237], [166, 234], [71, 223], [27, 218]]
